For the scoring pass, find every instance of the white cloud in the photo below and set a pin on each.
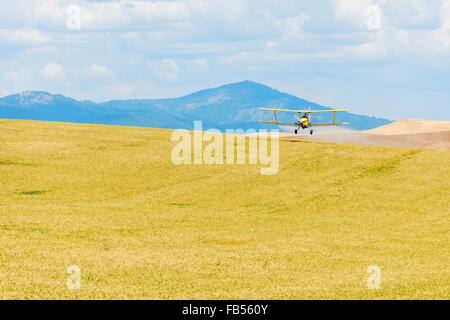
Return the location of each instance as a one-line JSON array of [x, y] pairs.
[[42, 50], [124, 90], [166, 69], [201, 63], [413, 14], [53, 71], [4, 93], [197, 43], [353, 10], [171, 65], [99, 70], [17, 80], [445, 14], [23, 36], [292, 27]]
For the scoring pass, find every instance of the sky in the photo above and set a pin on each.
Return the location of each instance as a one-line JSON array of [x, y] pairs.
[[387, 58]]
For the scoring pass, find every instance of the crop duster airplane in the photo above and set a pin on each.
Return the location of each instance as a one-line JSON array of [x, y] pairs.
[[304, 121]]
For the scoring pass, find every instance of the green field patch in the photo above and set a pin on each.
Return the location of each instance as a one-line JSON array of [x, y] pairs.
[[227, 242], [8, 163], [389, 165], [179, 204], [32, 192], [29, 229], [14, 163], [132, 144], [386, 167]]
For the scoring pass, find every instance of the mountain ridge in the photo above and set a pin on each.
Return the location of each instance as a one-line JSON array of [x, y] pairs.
[[230, 106]]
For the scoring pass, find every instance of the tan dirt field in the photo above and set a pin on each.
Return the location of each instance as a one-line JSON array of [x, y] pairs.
[[412, 133], [411, 126]]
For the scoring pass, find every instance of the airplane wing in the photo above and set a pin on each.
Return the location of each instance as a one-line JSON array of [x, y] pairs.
[[329, 124], [303, 111], [308, 112]]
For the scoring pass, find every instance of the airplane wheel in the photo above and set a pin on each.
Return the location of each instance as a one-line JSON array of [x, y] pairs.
[[295, 131], [311, 131]]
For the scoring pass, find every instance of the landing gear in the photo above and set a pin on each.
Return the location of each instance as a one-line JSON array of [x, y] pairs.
[[311, 131], [296, 131]]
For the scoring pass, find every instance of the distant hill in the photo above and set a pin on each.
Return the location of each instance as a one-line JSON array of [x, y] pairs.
[[230, 106]]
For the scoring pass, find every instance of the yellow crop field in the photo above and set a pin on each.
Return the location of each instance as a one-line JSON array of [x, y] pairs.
[[109, 200]]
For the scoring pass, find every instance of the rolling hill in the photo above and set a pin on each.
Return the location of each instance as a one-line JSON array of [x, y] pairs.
[[227, 107]]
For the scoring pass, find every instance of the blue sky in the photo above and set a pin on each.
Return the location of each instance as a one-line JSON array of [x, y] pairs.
[[388, 58]]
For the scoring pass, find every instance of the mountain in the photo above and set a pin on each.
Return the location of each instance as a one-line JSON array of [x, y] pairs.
[[230, 106]]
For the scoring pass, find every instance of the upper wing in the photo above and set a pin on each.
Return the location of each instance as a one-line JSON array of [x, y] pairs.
[[308, 112], [303, 111]]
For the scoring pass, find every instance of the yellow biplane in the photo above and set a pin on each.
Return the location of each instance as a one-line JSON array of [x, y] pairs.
[[304, 121]]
